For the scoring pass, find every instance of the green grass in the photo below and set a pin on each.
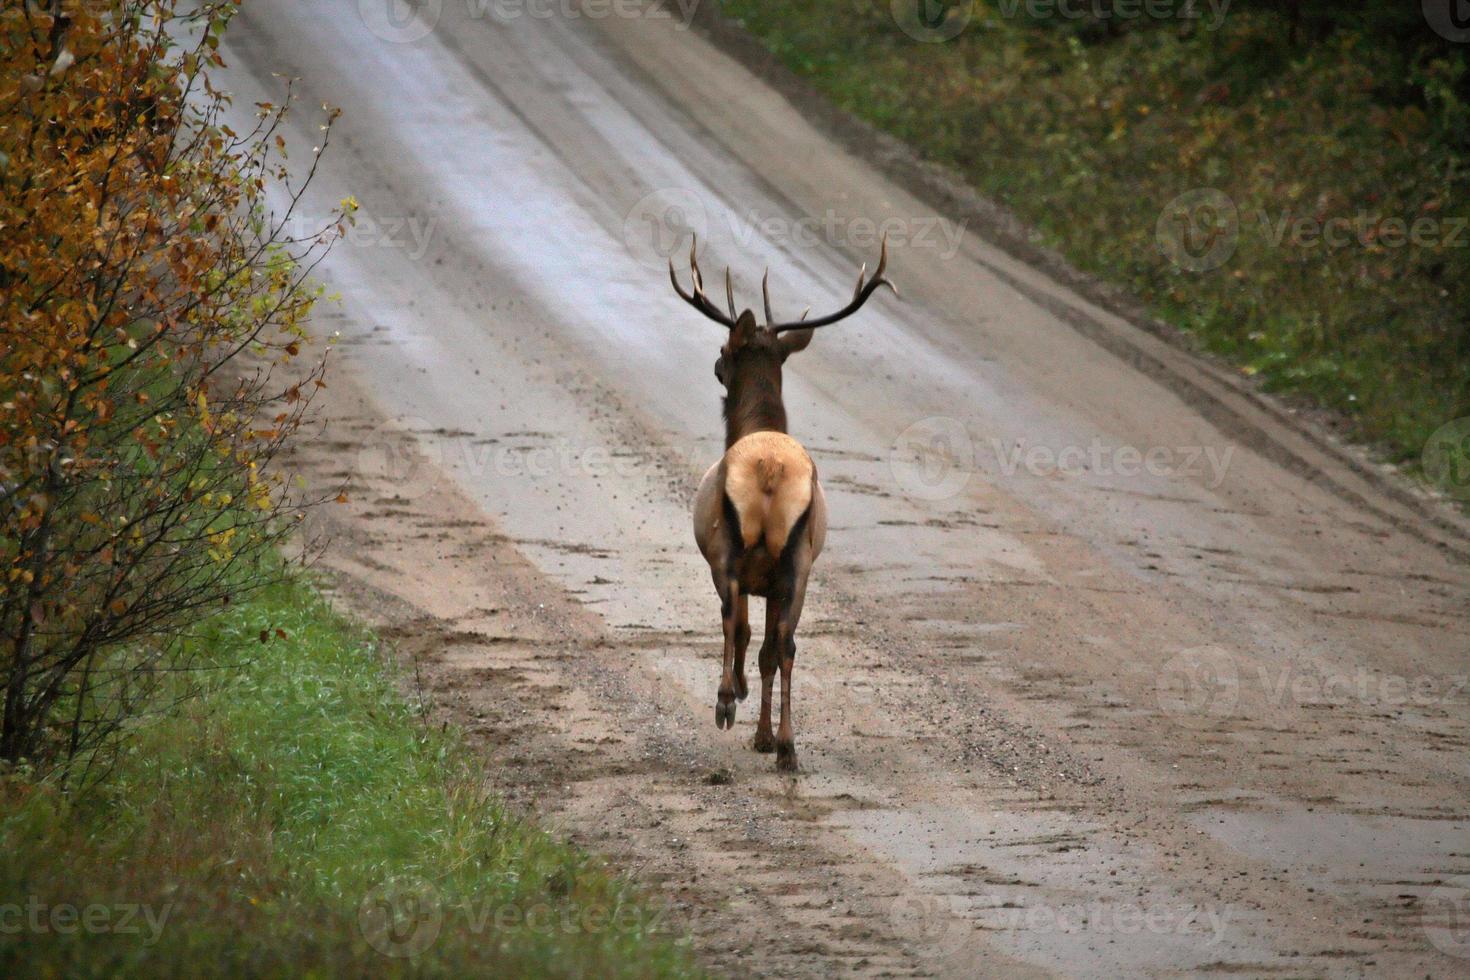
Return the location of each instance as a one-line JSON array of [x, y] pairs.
[[1088, 135], [258, 823]]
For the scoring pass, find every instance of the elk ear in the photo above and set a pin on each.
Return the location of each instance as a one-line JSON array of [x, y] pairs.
[[744, 330], [795, 340]]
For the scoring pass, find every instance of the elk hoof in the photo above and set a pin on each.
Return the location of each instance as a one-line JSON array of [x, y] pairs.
[[786, 756], [742, 690], [764, 742], [724, 714]]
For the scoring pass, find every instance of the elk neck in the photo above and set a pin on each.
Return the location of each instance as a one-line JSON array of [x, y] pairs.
[[753, 402]]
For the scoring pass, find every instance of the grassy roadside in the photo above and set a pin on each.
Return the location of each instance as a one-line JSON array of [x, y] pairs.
[[300, 819], [1322, 245]]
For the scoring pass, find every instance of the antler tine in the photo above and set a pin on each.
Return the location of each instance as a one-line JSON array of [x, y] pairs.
[[730, 294], [860, 294], [883, 264], [694, 275], [766, 295], [674, 278], [697, 298]]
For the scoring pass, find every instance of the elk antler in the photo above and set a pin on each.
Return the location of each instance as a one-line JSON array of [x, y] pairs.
[[859, 296], [702, 303], [697, 298]]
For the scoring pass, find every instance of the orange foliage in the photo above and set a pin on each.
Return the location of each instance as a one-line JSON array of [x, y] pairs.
[[147, 300]]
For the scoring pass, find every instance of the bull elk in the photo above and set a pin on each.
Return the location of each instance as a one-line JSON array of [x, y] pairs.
[[760, 517]]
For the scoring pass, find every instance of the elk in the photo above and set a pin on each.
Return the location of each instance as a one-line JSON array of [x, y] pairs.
[[760, 517]]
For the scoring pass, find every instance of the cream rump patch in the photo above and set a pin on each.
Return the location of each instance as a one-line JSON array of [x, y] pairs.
[[768, 477]]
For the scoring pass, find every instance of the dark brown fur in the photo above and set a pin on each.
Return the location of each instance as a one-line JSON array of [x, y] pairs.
[[753, 404], [767, 479], [750, 369]]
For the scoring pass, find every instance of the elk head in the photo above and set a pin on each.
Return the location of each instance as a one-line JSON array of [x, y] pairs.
[[749, 367]]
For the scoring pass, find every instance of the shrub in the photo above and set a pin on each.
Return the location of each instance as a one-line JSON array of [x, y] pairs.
[[152, 307]]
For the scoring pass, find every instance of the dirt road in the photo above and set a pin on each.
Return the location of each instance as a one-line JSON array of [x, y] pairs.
[[1111, 666]]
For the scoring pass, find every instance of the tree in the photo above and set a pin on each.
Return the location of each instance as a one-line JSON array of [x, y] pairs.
[[152, 310]]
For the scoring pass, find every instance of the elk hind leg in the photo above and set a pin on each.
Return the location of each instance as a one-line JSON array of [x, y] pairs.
[[732, 616], [765, 741], [742, 642], [791, 590]]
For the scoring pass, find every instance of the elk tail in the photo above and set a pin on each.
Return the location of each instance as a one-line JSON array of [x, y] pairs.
[[768, 473]]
